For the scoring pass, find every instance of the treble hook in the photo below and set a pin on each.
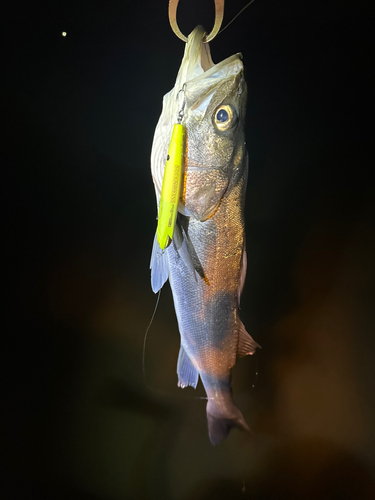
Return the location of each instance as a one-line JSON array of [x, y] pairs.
[[219, 14]]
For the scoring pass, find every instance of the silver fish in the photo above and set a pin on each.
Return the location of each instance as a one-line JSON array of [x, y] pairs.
[[206, 262]]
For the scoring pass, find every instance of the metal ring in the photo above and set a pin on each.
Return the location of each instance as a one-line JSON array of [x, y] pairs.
[[219, 14]]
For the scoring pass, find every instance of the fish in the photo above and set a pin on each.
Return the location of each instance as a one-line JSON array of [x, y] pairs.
[[205, 261]]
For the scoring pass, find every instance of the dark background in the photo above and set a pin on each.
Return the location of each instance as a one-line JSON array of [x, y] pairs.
[[78, 115]]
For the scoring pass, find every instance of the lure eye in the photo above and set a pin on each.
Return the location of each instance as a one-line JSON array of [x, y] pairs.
[[224, 117]]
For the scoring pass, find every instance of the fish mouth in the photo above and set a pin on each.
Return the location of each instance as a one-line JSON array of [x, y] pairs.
[[198, 54]]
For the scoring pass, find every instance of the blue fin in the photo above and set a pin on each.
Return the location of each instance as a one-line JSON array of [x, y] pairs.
[[246, 344], [219, 426], [187, 373], [159, 267]]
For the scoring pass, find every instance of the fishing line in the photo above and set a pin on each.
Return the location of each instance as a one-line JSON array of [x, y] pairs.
[[219, 14], [145, 340], [245, 394], [235, 17], [256, 354], [161, 393]]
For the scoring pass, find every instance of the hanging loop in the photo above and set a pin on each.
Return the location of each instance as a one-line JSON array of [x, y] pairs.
[[219, 14]]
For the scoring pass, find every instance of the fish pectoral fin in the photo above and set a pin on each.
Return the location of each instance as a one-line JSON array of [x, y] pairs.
[[184, 222], [246, 344], [180, 244], [186, 371], [159, 266]]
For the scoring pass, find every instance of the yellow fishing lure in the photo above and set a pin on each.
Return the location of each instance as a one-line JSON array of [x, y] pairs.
[[171, 187]]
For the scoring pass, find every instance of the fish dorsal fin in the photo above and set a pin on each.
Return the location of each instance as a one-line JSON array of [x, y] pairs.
[[243, 271], [246, 344], [159, 266], [187, 373]]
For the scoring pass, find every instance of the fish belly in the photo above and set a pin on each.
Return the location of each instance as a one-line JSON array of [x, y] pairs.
[[207, 308]]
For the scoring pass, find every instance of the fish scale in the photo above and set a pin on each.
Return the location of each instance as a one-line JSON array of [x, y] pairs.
[[206, 261]]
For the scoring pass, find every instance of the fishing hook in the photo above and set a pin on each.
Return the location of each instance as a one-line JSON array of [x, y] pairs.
[[219, 14], [181, 111]]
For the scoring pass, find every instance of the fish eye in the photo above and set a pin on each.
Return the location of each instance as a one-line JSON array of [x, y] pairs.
[[224, 117]]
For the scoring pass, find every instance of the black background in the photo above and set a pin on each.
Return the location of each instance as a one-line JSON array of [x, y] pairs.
[[78, 115]]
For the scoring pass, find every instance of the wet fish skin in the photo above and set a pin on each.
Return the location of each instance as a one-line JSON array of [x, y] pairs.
[[206, 263]]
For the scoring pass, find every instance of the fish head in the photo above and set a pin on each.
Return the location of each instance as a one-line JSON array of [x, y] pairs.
[[212, 98], [214, 116]]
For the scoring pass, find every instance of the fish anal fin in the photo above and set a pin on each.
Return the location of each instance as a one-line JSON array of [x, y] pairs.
[[186, 371], [159, 267], [246, 344]]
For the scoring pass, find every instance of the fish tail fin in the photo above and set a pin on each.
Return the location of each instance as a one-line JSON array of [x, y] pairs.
[[219, 425]]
